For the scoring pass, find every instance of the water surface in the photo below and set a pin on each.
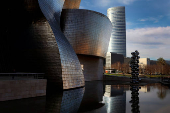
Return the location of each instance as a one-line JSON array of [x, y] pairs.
[[96, 97]]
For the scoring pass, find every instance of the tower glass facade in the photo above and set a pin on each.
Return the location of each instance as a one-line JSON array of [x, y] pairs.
[[117, 42]]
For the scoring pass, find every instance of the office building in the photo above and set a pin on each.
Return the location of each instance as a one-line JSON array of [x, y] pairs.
[[111, 59], [117, 42]]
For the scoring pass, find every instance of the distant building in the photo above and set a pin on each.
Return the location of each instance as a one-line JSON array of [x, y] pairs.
[[167, 62], [144, 61], [112, 58], [117, 42], [153, 62], [127, 60]]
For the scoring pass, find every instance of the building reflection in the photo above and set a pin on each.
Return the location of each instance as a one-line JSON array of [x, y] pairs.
[[92, 99], [67, 102], [144, 89], [115, 98], [97, 98]]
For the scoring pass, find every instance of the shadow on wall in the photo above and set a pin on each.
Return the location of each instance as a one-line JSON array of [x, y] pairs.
[[30, 44], [92, 67]]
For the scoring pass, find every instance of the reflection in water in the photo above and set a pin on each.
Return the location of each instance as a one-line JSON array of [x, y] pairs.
[[162, 91], [144, 89], [134, 99], [67, 102], [59, 102], [92, 98], [115, 99], [98, 98]]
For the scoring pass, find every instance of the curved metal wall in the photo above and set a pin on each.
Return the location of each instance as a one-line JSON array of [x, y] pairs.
[[71, 4], [31, 42], [30, 45], [92, 67], [118, 38], [71, 69], [87, 31], [64, 102]]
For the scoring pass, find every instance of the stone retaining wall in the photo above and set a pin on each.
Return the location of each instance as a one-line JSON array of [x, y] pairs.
[[127, 79], [18, 89]]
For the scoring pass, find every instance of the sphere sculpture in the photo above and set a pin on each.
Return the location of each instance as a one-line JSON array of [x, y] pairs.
[[134, 67], [134, 80]]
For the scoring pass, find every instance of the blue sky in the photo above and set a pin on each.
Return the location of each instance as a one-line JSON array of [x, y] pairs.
[[147, 24]]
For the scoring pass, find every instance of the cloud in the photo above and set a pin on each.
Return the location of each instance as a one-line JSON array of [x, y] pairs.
[[105, 3], [150, 42], [81, 7], [154, 19], [126, 2], [129, 23]]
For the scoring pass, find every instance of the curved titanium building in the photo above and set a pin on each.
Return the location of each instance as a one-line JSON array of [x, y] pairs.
[[118, 38], [71, 70], [71, 4], [89, 33], [33, 42]]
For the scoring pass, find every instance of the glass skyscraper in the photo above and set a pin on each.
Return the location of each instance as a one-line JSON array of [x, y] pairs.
[[117, 42]]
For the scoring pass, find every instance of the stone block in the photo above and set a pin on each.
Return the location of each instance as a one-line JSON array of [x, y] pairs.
[[18, 89], [2, 91]]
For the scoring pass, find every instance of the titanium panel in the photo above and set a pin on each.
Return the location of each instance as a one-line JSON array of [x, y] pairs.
[[28, 44], [118, 39], [71, 4], [92, 67], [71, 69], [31, 45], [87, 31], [64, 102]]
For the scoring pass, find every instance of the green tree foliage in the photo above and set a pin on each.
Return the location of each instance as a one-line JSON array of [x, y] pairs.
[[161, 61]]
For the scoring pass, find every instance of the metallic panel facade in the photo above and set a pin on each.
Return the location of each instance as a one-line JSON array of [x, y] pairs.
[[118, 38], [30, 44], [92, 67], [64, 102], [71, 70], [71, 4], [87, 31]]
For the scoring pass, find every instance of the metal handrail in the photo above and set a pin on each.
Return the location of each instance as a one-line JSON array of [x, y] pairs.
[[23, 75]]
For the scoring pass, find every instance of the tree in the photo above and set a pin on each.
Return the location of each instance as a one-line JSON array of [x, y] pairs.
[[125, 68], [161, 61], [166, 70], [148, 69], [117, 66], [161, 91]]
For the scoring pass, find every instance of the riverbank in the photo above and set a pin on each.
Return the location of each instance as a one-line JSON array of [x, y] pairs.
[[127, 79], [129, 75]]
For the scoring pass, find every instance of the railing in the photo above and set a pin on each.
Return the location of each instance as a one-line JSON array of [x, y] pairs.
[[18, 76], [165, 79]]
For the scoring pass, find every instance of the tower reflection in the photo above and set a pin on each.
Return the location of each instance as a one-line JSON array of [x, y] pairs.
[[115, 98]]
